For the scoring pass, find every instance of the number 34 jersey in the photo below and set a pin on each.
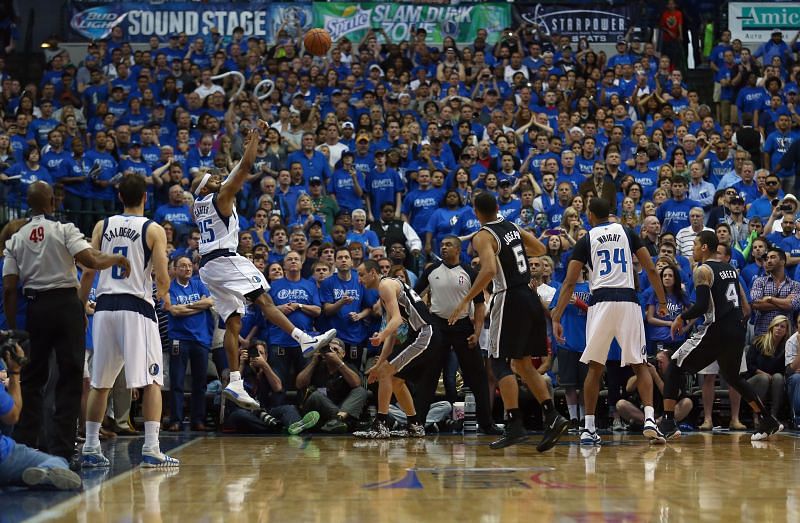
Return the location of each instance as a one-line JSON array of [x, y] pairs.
[[127, 235], [512, 260], [607, 249]]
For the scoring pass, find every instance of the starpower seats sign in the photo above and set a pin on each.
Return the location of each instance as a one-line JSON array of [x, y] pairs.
[[400, 21], [754, 22]]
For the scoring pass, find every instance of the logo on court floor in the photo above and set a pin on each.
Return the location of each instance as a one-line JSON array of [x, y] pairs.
[[154, 369], [464, 478]]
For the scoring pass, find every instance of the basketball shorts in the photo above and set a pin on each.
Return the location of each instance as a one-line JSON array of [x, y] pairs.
[[124, 338], [416, 353], [622, 320], [571, 371], [229, 279], [517, 325], [720, 343]]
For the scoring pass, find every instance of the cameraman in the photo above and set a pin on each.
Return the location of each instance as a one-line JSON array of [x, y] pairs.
[[262, 383], [21, 465]]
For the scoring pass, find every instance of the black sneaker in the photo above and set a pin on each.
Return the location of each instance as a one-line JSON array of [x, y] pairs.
[[574, 426], [490, 430], [378, 430], [513, 433], [669, 429], [554, 429], [766, 426]]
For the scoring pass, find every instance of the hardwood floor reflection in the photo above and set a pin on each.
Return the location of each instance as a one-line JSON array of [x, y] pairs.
[[338, 479]]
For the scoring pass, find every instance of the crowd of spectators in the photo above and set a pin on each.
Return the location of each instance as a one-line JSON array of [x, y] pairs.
[[376, 151]]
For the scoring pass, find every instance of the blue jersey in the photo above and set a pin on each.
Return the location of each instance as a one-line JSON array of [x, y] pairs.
[[284, 291], [674, 308], [196, 327], [674, 215], [419, 205], [776, 145], [441, 224], [332, 290], [574, 319], [383, 187], [342, 186]]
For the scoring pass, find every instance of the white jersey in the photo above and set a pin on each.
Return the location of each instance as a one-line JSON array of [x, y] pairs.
[[216, 231], [608, 250], [127, 235]]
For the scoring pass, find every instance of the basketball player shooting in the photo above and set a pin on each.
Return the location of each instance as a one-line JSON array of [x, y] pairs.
[[231, 279]]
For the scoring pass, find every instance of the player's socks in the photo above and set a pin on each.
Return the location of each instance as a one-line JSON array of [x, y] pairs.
[[151, 434], [235, 375], [588, 422], [573, 411], [649, 412], [300, 336], [668, 414], [92, 434]]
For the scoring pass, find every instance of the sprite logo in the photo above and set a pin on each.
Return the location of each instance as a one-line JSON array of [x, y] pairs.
[[765, 17], [352, 19]]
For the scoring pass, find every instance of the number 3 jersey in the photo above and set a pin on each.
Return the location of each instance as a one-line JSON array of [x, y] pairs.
[[607, 249], [216, 231], [127, 235], [512, 260]]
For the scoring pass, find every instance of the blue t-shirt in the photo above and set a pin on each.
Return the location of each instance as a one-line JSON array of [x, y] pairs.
[[284, 291], [176, 214], [6, 406], [776, 145], [382, 188], [441, 224], [332, 290], [674, 308], [17, 195], [341, 186], [420, 205], [574, 319], [196, 327], [674, 215]]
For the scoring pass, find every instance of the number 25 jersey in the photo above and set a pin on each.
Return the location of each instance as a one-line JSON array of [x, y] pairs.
[[217, 232], [607, 249]]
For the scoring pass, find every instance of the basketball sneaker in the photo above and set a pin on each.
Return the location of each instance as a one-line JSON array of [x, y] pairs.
[[590, 438], [236, 393], [378, 430], [513, 433], [308, 421], [652, 433], [766, 426], [92, 457], [669, 429], [56, 478], [416, 430], [312, 343], [157, 459], [555, 427]]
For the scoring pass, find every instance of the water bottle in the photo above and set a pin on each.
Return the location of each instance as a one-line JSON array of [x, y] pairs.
[[470, 421]]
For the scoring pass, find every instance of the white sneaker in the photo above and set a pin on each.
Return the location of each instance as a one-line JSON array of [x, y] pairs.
[[157, 459], [590, 437], [313, 343], [236, 393], [652, 432], [92, 457]]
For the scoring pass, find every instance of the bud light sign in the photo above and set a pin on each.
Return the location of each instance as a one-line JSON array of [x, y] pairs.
[[96, 23]]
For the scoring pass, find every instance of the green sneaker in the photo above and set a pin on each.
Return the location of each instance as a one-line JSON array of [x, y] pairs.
[[308, 421]]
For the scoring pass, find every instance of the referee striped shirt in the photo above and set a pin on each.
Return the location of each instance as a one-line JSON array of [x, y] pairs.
[[448, 285]]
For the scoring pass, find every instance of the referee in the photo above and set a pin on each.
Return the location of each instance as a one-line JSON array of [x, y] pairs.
[[449, 281], [42, 255]]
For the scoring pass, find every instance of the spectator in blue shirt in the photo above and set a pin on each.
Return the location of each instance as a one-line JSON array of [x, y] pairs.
[[175, 211], [21, 465], [776, 145], [314, 162], [383, 186], [190, 328], [347, 185], [420, 204], [674, 213]]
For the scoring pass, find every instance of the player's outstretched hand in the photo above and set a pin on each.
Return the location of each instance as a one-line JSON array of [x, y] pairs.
[[676, 327], [558, 331], [460, 308]]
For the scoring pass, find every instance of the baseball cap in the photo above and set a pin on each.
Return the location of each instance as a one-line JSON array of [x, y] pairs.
[[380, 153], [791, 89], [362, 137], [314, 179], [790, 197], [505, 183], [738, 199], [577, 129], [135, 143], [776, 32], [348, 125], [335, 92]]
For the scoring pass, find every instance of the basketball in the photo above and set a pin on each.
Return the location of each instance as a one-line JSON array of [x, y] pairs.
[[317, 42]]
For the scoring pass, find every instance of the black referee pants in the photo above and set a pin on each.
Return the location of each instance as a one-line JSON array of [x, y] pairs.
[[55, 320], [473, 369]]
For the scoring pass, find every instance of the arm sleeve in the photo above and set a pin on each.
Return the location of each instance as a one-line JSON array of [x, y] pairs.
[[703, 293], [73, 239]]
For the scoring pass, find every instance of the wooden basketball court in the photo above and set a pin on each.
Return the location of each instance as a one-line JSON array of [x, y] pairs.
[[702, 477]]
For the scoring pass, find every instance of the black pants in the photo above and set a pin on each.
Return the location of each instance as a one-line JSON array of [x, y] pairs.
[[722, 341], [473, 368], [56, 323]]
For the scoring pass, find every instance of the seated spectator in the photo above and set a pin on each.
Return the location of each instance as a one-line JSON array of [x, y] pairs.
[[333, 388], [630, 410], [766, 363]]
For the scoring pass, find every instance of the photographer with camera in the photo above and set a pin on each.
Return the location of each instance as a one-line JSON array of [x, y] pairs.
[[42, 256], [262, 383], [21, 465], [333, 387]]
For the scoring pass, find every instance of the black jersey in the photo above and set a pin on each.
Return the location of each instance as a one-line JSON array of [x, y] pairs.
[[412, 308], [724, 292], [512, 260]]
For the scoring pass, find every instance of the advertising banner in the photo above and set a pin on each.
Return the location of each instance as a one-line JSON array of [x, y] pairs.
[[140, 21], [754, 22], [354, 19], [603, 24]]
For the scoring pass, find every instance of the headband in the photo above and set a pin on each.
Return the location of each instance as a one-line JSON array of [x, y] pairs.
[[203, 182]]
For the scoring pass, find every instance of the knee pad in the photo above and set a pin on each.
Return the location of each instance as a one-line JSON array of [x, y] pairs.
[[501, 368]]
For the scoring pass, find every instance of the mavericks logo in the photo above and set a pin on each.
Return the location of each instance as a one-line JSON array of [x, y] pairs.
[[154, 368]]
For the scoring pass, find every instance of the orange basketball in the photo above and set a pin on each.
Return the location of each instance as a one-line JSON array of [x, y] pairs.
[[318, 42]]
